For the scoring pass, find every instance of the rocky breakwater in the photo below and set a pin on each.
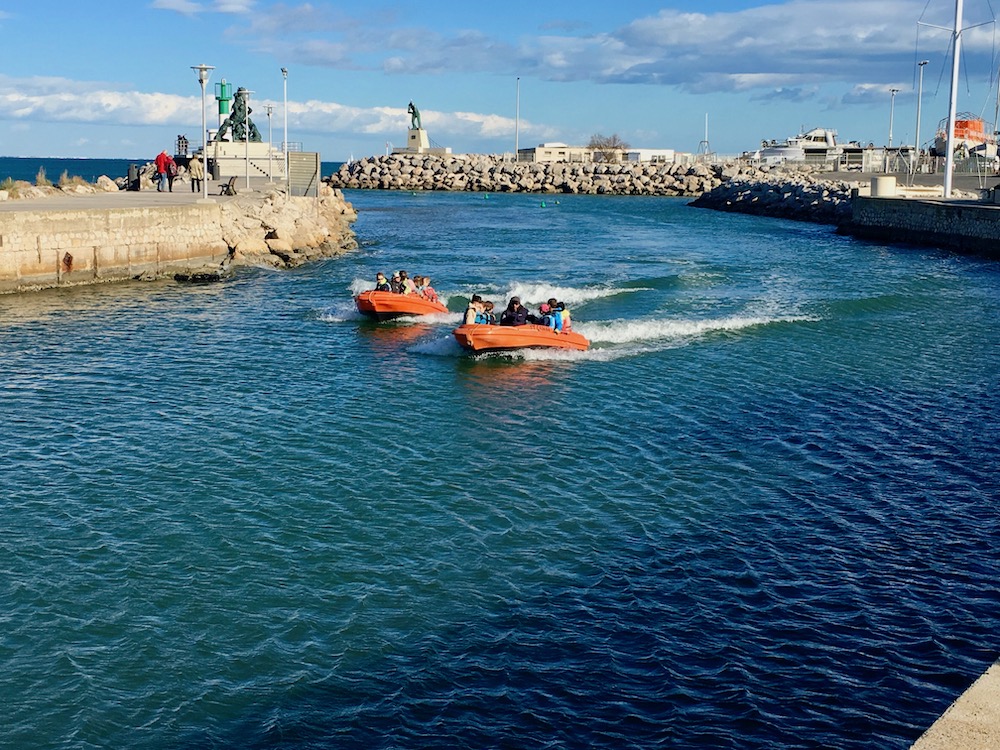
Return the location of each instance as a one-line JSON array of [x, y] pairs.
[[271, 229], [783, 194], [491, 174]]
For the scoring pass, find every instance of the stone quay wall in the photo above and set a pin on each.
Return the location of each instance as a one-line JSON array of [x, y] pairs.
[[962, 226], [491, 174], [48, 247]]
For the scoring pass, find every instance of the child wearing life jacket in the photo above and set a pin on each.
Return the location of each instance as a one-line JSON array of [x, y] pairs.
[[427, 290], [560, 314], [548, 316]]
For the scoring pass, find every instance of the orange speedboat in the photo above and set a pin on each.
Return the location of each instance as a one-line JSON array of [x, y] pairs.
[[477, 337], [388, 305]]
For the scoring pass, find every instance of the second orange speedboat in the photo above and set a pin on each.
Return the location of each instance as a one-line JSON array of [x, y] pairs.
[[388, 305], [477, 337]]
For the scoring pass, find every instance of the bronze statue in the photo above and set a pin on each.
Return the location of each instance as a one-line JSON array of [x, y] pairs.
[[414, 114], [239, 121]]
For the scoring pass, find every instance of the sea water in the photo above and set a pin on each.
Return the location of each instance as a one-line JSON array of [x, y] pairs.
[[760, 512]]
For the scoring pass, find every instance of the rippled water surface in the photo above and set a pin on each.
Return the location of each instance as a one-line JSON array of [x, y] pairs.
[[760, 512]]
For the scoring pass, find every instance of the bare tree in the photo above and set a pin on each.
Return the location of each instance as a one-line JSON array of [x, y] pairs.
[[607, 148]]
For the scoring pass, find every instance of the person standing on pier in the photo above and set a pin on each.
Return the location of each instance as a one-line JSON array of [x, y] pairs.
[[197, 172], [163, 160]]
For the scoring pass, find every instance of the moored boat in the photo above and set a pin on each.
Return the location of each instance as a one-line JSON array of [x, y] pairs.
[[973, 137], [476, 337], [388, 305]]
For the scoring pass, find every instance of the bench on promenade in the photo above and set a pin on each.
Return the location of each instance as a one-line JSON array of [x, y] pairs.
[[228, 188]]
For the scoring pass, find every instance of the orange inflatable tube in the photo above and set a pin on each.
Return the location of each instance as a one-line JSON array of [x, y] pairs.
[[476, 337], [388, 305]]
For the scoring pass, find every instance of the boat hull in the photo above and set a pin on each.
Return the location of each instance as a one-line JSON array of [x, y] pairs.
[[389, 305], [490, 338]]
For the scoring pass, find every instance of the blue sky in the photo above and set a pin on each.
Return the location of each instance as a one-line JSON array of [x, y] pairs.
[[114, 78]]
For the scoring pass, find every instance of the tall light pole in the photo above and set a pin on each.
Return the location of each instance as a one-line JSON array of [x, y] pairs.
[[270, 109], [517, 116], [246, 131], [892, 107], [284, 109], [956, 51], [920, 95], [204, 71]]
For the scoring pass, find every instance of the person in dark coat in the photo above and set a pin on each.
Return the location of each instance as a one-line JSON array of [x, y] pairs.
[[516, 314]]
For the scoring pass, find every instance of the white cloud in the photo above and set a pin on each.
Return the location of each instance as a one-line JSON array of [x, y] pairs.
[[190, 8], [798, 43], [56, 100], [186, 7]]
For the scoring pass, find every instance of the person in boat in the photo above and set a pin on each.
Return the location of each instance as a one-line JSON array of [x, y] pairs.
[[516, 314], [487, 315], [427, 290], [545, 316], [559, 314], [473, 310], [395, 285], [406, 285], [381, 283], [563, 311]]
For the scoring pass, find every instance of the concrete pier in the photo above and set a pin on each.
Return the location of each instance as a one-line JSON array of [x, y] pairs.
[[83, 239], [960, 225], [972, 722]]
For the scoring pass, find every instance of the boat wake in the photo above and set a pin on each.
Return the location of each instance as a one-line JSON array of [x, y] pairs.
[[630, 331], [617, 339]]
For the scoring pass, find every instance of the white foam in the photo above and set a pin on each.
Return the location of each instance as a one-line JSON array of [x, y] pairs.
[[628, 331], [538, 293]]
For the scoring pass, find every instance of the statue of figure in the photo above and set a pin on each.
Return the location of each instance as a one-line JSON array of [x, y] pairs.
[[239, 121], [414, 114]]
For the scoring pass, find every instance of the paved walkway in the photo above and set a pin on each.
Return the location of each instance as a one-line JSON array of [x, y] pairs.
[[182, 196], [972, 722]]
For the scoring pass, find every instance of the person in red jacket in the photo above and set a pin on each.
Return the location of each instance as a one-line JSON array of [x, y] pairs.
[[162, 161]]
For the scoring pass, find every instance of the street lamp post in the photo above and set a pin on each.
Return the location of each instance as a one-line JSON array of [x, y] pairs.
[[246, 132], [892, 107], [204, 71], [517, 116], [270, 109], [920, 94], [284, 109]]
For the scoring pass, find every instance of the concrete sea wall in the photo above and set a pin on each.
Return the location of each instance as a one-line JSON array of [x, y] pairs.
[[963, 226], [52, 248], [45, 246]]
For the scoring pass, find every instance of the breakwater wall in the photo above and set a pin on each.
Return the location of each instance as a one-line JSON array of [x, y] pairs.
[[780, 192], [964, 226], [99, 241], [491, 174], [786, 195]]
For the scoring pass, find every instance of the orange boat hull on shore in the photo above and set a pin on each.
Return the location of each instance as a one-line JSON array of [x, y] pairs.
[[388, 305], [489, 338]]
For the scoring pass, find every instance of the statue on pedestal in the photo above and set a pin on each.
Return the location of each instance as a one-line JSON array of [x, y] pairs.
[[414, 114], [239, 121]]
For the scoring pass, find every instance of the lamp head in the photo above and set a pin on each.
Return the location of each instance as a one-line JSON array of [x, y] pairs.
[[203, 71]]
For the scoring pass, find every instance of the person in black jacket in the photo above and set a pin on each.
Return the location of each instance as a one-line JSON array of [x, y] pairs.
[[381, 285], [516, 314]]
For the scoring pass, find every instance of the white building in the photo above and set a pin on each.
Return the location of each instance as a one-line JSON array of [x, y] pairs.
[[548, 153]]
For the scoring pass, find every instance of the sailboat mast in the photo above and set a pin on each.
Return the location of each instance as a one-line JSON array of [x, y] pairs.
[[949, 159]]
